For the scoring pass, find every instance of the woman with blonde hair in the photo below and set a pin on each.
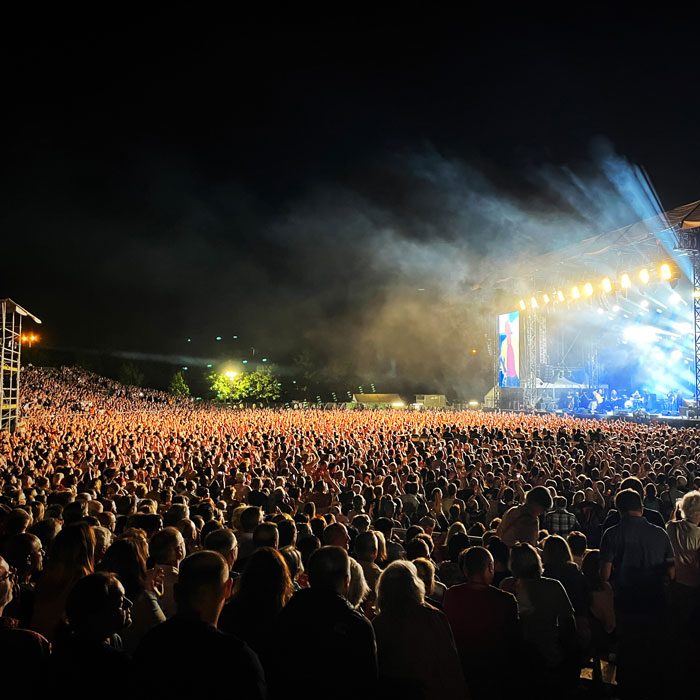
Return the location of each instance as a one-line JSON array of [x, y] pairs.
[[415, 647]]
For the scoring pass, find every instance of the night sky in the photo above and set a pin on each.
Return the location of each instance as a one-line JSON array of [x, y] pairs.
[[297, 187]]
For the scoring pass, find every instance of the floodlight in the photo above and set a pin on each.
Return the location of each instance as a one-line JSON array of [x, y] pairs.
[[665, 271], [588, 289], [575, 293], [625, 281], [644, 275], [607, 285]]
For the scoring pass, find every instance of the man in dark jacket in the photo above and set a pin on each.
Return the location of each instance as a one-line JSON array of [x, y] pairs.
[[338, 657], [176, 658]]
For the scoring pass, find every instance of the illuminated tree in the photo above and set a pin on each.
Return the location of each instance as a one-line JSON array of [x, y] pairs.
[[178, 385]]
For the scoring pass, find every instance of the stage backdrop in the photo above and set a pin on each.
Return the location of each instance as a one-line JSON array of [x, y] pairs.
[[509, 342]]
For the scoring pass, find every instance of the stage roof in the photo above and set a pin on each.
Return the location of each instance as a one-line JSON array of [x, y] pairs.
[[642, 243]]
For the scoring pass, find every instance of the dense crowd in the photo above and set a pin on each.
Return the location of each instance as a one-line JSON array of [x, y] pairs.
[[152, 547]]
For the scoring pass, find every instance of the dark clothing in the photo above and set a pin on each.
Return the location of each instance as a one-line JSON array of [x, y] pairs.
[[185, 657], [24, 656], [653, 516], [252, 623], [417, 655], [91, 664], [485, 625], [574, 583], [322, 643], [641, 554]]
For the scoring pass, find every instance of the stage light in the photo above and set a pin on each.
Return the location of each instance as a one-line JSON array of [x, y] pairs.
[[523, 305], [674, 299], [218, 338], [641, 335], [676, 354], [644, 304], [545, 298], [575, 293], [560, 296], [588, 289], [665, 271], [231, 375], [625, 281], [607, 285], [533, 303], [644, 275], [616, 308], [600, 310], [659, 311]]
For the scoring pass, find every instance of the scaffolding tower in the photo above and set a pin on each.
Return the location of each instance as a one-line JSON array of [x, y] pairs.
[[688, 241], [11, 315]]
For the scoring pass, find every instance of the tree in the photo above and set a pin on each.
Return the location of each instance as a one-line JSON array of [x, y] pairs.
[[260, 385], [131, 375], [178, 385], [221, 385]]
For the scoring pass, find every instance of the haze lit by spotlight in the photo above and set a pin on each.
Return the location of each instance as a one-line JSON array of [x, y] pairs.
[[644, 275], [665, 271], [607, 285], [575, 293], [588, 289]]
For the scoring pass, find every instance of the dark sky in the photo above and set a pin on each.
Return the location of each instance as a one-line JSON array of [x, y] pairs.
[[288, 185]]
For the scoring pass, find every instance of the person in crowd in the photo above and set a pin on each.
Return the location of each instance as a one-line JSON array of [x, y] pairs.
[[547, 618], [601, 605], [72, 556], [637, 558], [126, 558], [360, 595], [614, 516], [415, 647], [336, 636], [366, 550], [484, 621], [578, 544], [175, 658], [21, 650], [263, 589], [559, 565], [223, 540], [521, 523], [166, 550], [91, 654], [25, 554], [560, 521]]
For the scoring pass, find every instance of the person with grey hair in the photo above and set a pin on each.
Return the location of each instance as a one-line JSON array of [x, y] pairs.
[[358, 591], [415, 647], [684, 534]]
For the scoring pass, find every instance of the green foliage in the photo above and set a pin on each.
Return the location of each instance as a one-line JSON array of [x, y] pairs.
[[131, 375], [259, 385], [178, 385]]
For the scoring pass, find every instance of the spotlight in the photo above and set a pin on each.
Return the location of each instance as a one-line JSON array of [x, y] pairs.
[[533, 303], [575, 293], [644, 275], [665, 271], [607, 285], [600, 310], [588, 289], [676, 354], [625, 281], [545, 298], [560, 296], [522, 304], [644, 304], [616, 308]]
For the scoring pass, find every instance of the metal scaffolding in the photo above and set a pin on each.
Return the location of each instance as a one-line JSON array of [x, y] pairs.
[[11, 315], [689, 242]]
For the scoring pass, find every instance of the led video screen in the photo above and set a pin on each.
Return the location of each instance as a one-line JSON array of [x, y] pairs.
[[509, 343]]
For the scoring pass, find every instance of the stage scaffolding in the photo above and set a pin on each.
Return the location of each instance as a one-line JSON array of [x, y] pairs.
[[11, 315], [689, 243]]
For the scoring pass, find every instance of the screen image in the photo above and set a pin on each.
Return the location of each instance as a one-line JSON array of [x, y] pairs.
[[509, 343]]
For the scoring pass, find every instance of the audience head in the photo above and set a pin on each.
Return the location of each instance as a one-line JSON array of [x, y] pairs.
[[399, 588]]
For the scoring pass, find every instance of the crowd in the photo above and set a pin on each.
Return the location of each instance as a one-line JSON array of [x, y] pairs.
[[155, 546]]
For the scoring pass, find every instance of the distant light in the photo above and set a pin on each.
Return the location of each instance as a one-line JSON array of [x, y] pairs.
[[421, 289], [575, 293], [674, 299], [231, 375], [588, 289], [235, 337], [607, 285], [665, 271], [264, 359], [545, 298], [473, 403], [245, 362], [676, 354], [696, 294], [218, 337], [189, 340], [616, 308], [473, 353], [659, 311], [185, 368], [625, 281], [644, 304], [600, 310], [209, 366], [533, 303], [560, 295], [398, 404], [644, 275], [522, 304]]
